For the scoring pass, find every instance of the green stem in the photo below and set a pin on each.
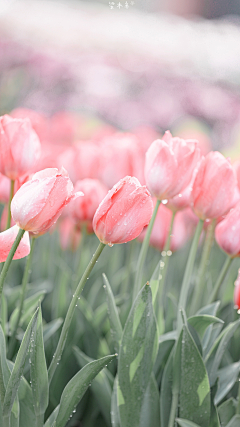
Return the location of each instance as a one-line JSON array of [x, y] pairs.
[[62, 340], [163, 271], [221, 276], [174, 405], [6, 421], [9, 204], [187, 274], [27, 271], [143, 252], [39, 420], [9, 259], [198, 290]]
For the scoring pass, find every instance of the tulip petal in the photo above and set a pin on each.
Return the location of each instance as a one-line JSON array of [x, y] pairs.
[[7, 239]]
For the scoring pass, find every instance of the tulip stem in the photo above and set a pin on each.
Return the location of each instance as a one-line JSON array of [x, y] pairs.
[[9, 259], [27, 271], [163, 271], [221, 276], [198, 290], [66, 325], [143, 252], [187, 274], [9, 204]]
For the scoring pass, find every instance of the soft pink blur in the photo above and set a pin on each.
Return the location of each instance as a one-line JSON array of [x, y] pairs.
[[169, 165], [38, 203], [227, 232], [6, 241], [20, 147], [236, 296], [82, 209], [215, 189], [123, 213], [70, 234]]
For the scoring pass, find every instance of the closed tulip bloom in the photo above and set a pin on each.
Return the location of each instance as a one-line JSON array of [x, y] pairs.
[[7, 239], [227, 232], [214, 190], [20, 147], [236, 296], [38, 203], [123, 213], [83, 209], [169, 165]]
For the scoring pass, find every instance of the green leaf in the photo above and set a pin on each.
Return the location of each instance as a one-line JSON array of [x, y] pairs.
[[150, 414], [100, 386], [223, 340], [166, 390], [227, 411], [17, 371], [38, 369], [210, 309], [235, 421], [115, 324], [5, 372], [30, 304], [194, 389], [27, 415], [50, 328], [114, 406], [4, 313], [76, 388], [52, 417], [138, 351], [186, 423], [227, 378], [200, 323]]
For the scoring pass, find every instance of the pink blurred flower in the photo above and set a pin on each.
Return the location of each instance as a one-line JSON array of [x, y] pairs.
[[227, 232], [214, 190], [5, 184], [121, 156], [38, 121], [6, 241], [83, 209], [169, 165], [19, 147], [236, 296], [82, 160], [123, 213], [70, 234], [38, 203]]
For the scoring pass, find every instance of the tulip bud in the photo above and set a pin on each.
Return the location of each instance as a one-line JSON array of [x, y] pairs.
[[38, 203], [227, 232], [169, 165], [214, 190], [19, 147], [123, 213], [7, 239]]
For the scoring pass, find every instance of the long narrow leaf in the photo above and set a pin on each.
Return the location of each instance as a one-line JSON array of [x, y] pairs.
[[116, 327]]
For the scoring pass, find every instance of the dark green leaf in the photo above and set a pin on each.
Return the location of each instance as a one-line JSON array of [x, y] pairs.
[[100, 386], [201, 322], [30, 304], [227, 411], [186, 423], [38, 369], [76, 388], [210, 309], [166, 391], [137, 355], [115, 324], [52, 418], [235, 421], [15, 378], [227, 378], [194, 388], [150, 414], [50, 328]]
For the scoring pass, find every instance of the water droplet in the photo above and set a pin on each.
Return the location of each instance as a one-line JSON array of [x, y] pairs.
[[163, 253], [164, 202], [169, 253]]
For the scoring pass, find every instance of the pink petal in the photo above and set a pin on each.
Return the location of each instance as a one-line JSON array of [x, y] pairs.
[[7, 239]]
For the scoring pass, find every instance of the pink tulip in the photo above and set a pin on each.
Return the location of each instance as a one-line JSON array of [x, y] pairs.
[[123, 213], [70, 234], [6, 241], [236, 296], [83, 209], [169, 165], [5, 185], [38, 203], [227, 232], [19, 147], [121, 156], [38, 121], [214, 190]]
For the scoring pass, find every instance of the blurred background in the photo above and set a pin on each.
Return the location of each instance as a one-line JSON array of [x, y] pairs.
[[149, 65]]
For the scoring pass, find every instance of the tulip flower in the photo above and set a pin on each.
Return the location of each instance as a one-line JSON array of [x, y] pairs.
[[82, 209], [39, 202], [227, 232], [19, 147], [169, 165], [123, 213], [236, 296], [7, 239], [214, 190]]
